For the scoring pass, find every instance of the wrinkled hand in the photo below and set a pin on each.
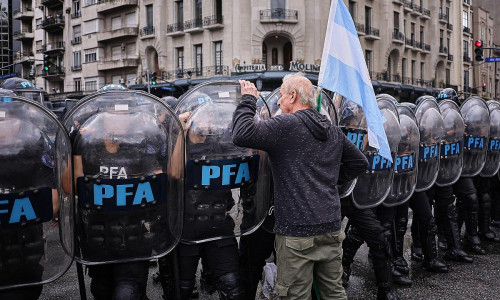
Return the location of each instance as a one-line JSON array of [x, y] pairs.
[[248, 88], [184, 118]]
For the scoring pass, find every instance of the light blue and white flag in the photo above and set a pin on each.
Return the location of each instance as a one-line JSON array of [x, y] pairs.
[[343, 71]]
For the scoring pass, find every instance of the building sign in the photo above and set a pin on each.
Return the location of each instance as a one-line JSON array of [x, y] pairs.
[[276, 68], [249, 68], [298, 67]]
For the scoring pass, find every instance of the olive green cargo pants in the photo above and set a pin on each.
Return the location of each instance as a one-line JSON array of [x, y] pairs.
[[300, 259]]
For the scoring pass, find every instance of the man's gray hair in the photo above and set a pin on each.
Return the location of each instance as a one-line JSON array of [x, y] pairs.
[[303, 87]]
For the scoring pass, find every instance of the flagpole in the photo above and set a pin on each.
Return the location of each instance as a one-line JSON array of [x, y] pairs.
[[318, 99]]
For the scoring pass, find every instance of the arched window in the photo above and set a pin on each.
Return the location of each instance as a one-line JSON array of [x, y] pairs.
[[274, 56], [264, 54]]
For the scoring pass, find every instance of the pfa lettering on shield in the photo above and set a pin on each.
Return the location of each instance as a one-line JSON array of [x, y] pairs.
[[474, 142], [494, 145], [19, 209], [450, 149], [378, 163], [429, 152], [404, 163]]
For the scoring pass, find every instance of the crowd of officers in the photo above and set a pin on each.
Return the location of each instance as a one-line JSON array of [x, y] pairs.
[[233, 267]]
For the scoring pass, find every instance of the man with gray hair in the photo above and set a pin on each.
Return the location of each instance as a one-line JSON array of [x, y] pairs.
[[308, 157]]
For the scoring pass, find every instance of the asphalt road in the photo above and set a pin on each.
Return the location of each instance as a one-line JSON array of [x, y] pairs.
[[480, 280]]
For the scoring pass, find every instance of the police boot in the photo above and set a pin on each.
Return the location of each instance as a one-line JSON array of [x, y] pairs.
[[428, 237], [186, 288], [165, 276], [386, 293], [495, 212], [383, 276], [484, 218], [450, 229], [398, 260], [416, 246], [350, 246], [471, 236], [206, 283], [230, 287]]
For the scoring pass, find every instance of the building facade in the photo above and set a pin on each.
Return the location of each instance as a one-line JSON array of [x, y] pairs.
[[411, 47]]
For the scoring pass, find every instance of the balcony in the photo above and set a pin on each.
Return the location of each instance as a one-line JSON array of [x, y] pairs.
[[467, 58], [25, 13], [23, 58], [210, 71], [410, 43], [408, 6], [443, 18], [54, 73], [426, 47], [279, 15], [105, 6], [416, 10], [52, 3], [385, 77], [175, 29], [443, 51], [53, 48], [449, 27], [372, 33], [467, 30], [193, 26], [147, 32], [76, 68], [75, 15], [108, 35], [52, 24], [426, 13], [76, 40], [213, 22], [398, 37], [24, 35], [450, 57], [360, 28], [398, 2], [467, 2], [117, 63]]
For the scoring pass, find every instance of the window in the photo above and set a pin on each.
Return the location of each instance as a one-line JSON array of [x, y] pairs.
[[278, 4], [422, 71], [130, 20], [404, 27], [352, 10], [466, 48], [422, 35], [403, 68], [130, 49], [131, 78], [264, 54], [218, 8], [466, 81], [441, 39], [76, 7], [218, 58], [396, 21], [38, 22], [199, 59], [89, 2], [116, 79], [77, 84], [90, 55], [116, 52], [38, 45], [180, 58], [116, 23], [412, 33], [368, 59], [413, 70], [465, 18], [198, 10], [90, 26], [91, 84], [179, 8], [448, 77], [77, 31], [368, 18], [149, 16], [77, 60]]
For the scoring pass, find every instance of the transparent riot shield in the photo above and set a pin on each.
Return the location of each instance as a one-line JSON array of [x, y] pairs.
[[374, 185], [493, 153], [405, 166], [36, 195], [227, 187], [431, 126], [451, 154], [477, 128], [128, 166]]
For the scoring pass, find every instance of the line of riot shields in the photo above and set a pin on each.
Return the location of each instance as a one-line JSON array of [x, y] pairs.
[[126, 176]]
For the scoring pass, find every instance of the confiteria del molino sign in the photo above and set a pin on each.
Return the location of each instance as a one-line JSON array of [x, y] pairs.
[[294, 67]]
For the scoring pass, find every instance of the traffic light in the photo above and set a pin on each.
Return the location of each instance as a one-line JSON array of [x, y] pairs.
[[484, 87], [153, 78], [479, 50]]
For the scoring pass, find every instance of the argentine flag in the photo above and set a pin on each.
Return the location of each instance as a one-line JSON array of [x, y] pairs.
[[343, 71]]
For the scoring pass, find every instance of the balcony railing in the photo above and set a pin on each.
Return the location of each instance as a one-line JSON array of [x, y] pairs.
[[372, 31], [148, 30], [76, 68], [76, 15], [416, 9], [443, 17], [197, 73], [53, 47], [76, 40], [279, 14], [176, 27], [467, 2], [450, 57], [467, 30], [467, 58], [443, 50], [426, 47], [213, 20], [426, 12], [25, 34], [23, 13], [398, 35], [53, 71], [193, 23], [411, 42], [359, 27], [117, 62], [52, 24], [449, 26], [110, 34]]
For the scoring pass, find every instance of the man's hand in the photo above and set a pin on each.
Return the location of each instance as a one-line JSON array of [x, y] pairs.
[[184, 118], [248, 88]]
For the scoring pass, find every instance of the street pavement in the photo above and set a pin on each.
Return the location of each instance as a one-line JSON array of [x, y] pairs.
[[480, 280]]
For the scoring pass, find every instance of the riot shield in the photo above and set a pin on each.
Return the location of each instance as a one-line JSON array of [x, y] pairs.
[[128, 164], [227, 187], [493, 153], [405, 166], [477, 128], [451, 154], [36, 192], [431, 127]]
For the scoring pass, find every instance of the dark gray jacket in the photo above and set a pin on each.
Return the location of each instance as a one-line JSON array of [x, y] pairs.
[[308, 157]]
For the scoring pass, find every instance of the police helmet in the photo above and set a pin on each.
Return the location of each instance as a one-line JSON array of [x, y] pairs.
[[171, 101], [425, 97], [449, 93]]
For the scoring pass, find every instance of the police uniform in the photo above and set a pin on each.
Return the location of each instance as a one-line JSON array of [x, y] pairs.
[[24, 166]]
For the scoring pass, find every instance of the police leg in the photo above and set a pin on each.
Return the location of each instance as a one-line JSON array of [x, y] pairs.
[[466, 193], [101, 285], [130, 280], [166, 275], [368, 228], [416, 245], [222, 259], [422, 212], [386, 217], [189, 257], [483, 193], [254, 250], [400, 228], [495, 201], [439, 216], [446, 210]]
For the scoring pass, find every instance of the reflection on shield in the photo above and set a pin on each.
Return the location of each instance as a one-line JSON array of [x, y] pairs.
[[227, 187], [492, 164], [477, 128], [35, 157]]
